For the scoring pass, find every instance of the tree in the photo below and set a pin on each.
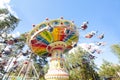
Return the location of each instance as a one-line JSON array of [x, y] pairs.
[[109, 70], [116, 49], [79, 66], [8, 22]]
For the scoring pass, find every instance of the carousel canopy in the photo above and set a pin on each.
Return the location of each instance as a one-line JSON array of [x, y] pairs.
[[55, 32]]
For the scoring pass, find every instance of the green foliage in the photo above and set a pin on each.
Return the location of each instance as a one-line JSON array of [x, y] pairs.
[[116, 49], [9, 23], [109, 70], [4, 11], [43, 72], [23, 37], [78, 67]]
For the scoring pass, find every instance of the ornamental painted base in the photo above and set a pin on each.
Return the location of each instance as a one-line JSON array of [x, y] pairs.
[[57, 74]]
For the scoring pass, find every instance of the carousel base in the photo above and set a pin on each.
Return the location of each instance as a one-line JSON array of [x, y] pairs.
[[57, 74]]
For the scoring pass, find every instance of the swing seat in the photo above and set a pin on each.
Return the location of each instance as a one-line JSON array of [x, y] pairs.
[[88, 36], [83, 27]]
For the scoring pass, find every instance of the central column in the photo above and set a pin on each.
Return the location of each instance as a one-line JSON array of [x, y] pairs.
[[57, 69]]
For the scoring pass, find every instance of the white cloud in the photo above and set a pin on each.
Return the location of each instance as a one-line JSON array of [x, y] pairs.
[[90, 47], [12, 35], [17, 34], [5, 4]]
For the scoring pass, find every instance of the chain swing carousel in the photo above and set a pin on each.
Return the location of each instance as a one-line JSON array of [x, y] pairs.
[[52, 38]]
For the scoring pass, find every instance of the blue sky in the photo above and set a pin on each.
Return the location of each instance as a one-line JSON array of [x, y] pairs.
[[103, 16]]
